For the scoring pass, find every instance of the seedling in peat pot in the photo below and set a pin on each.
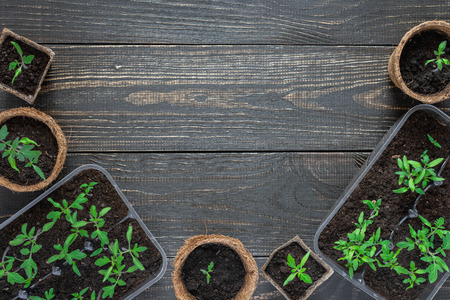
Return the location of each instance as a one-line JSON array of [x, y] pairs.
[[439, 60], [21, 149], [414, 174], [48, 296], [79, 296], [298, 270], [210, 269], [116, 269], [18, 65]]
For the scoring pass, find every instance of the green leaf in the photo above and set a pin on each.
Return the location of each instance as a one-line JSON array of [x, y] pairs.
[[104, 211], [439, 65], [305, 278], [39, 172], [442, 46], [138, 264], [19, 50], [102, 261], [429, 61], [75, 269], [12, 163], [25, 251], [291, 261], [129, 233], [35, 248], [108, 291], [107, 273], [401, 190], [15, 278], [12, 65], [27, 141], [435, 162], [289, 279], [96, 252], [28, 59], [304, 259], [17, 73]]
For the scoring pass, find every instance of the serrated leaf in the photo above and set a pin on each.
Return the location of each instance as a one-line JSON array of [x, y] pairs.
[[28, 59], [14, 278]]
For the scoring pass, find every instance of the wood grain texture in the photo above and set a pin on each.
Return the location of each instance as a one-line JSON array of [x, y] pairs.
[[219, 21], [221, 98], [264, 199]]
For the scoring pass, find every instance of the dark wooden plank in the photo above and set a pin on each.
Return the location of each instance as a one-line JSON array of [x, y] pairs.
[[221, 98], [219, 21], [262, 199]]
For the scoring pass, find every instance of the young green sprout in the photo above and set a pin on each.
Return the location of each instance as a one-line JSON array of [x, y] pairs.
[[22, 149], [210, 270], [439, 60], [433, 141], [18, 65], [298, 270], [48, 296], [79, 296]]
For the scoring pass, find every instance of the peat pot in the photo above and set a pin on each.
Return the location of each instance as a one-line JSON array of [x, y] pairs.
[[407, 68], [276, 271], [28, 82], [233, 271], [42, 129]]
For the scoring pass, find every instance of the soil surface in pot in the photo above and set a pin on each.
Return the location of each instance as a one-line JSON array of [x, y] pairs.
[[67, 282], [227, 277], [378, 183], [279, 271], [28, 81], [418, 77], [19, 127]]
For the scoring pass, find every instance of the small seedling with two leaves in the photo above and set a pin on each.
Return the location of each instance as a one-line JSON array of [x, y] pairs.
[[298, 270], [79, 296], [22, 149], [207, 272], [415, 175], [48, 296], [116, 267], [18, 65], [439, 60]]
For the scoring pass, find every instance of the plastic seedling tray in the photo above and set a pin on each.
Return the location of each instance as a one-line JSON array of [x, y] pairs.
[[131, 215], [430, 291]]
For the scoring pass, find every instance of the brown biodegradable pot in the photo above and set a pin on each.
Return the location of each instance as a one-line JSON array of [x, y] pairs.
[[251, 270], [394, 62], [322, 270], [60, 139], [28, 84]]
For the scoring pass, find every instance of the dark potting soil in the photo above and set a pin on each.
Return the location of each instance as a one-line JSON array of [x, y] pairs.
[[227, 277], [418, 77], [19, 127], [279, 271], [28, 81], [378, 183], [103, 195]]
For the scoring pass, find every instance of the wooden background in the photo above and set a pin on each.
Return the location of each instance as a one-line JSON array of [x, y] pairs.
[[249, 116]]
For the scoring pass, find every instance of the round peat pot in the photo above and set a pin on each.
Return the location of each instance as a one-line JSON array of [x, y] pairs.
[[234, 273], [41, 128], [276, 271], [407, 68]]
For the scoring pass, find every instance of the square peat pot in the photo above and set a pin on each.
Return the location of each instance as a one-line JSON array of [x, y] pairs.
[[59, 274], [276, 271], [364, 186], [28, 83]]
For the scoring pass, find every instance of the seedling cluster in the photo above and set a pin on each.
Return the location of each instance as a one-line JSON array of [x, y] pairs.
[[298, 270], [23, 269], [432, 240], [22, 149]]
